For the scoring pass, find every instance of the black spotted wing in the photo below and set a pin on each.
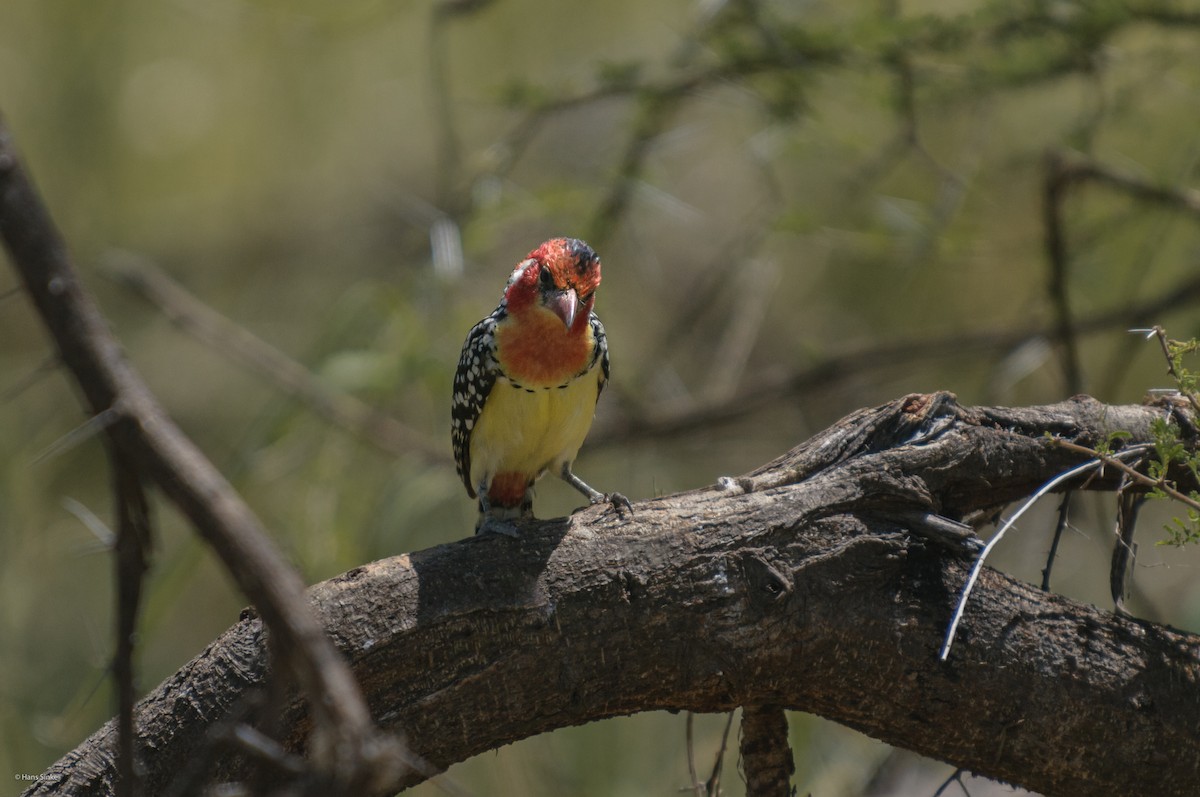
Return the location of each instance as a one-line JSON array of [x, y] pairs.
[[473, 381], [600, 352]]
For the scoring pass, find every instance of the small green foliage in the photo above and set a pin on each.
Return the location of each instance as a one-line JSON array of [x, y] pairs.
[[1110, 443], [1187, 380], [1170, 451], [1180, 533]]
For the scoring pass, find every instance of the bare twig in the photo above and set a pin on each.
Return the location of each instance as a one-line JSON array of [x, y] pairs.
[[1064, 170], [132, 554], [1165, 343], [1072, 167], [955, 777], [713, 785], [1115, 460], [1064, 509]]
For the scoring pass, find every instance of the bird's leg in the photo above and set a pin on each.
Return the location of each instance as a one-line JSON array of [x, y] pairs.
[[488, 522], [594, 496]]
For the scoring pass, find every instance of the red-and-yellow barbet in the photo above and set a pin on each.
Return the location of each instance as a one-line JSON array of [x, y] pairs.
[[527, 383]]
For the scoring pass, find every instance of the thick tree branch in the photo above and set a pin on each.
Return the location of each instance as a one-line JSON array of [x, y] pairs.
[[809, 584]]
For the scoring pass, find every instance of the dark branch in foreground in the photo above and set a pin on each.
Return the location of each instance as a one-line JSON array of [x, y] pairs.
[[348, 749], [821, 582]]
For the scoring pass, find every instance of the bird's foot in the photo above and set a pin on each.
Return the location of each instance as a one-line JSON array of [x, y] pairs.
[[494, 525], [617, 500]]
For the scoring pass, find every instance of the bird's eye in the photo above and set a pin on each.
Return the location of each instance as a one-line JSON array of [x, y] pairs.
[[547, 279]]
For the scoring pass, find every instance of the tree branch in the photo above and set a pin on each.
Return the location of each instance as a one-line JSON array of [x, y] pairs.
[[808, 584], [1055, 181], [147, 439], [133, 543], [766, 755]]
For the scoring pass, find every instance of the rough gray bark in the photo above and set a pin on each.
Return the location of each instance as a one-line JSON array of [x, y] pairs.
[[813, 583]]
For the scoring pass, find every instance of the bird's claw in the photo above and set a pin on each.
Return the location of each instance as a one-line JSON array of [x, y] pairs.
[[617, 500]]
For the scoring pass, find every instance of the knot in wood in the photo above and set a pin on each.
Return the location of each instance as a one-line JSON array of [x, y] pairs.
[[765, 584]]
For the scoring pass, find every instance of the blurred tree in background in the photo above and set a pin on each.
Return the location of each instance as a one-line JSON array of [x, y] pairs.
[[802, 208]]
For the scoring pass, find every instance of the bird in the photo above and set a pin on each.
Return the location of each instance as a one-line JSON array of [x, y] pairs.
[[527, 383]]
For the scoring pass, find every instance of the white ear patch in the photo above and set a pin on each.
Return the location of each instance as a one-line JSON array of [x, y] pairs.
[[518, 271]]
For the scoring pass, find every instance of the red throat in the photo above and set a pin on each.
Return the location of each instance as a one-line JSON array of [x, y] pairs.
[[539, 351]]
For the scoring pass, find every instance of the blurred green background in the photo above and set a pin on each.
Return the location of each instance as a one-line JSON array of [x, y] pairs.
[[772, 187]]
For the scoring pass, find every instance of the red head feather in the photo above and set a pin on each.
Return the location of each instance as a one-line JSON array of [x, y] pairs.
[[557, 266]]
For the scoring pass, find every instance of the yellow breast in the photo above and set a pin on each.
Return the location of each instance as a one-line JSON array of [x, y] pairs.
[[532, 430]]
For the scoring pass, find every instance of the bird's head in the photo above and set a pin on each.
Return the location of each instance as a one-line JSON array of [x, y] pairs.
[[561, 275]]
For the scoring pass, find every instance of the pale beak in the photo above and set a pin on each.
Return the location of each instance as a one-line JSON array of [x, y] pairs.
[[564, 304]]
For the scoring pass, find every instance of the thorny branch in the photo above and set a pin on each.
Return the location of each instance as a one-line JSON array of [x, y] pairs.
[[1165, 344], [1131, 473]]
